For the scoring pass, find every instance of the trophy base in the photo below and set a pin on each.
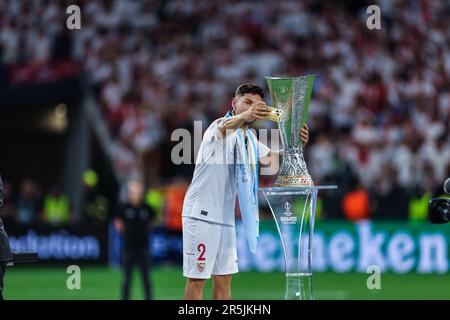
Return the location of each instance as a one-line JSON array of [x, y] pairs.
[[291, 181]]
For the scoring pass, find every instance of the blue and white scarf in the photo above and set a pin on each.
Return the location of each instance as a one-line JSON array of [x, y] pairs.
[[247, 184]]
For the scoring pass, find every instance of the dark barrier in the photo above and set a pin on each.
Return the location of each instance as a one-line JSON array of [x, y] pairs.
[[61, 244]]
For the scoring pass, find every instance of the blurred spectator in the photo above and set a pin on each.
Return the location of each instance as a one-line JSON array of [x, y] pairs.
[[155, 199], [28, 202], [322, 161], [418, 207], [391, 200], [175, 193], [96, 206], [8, 212], [438, 154], [56, 207], [356, 203], [124, 159], [39, 44], [144, 130]]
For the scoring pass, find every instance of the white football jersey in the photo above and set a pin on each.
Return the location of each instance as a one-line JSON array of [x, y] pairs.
[[212, 193]]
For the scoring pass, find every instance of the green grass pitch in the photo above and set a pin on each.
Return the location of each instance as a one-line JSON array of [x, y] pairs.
[[100, 283]]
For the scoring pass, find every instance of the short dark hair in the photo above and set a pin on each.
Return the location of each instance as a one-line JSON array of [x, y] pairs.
[[249, 88]]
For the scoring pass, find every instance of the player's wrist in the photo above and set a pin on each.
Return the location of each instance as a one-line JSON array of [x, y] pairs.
[[245, 117]]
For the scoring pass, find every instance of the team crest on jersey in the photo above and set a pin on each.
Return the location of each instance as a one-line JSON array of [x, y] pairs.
[[201, 266]]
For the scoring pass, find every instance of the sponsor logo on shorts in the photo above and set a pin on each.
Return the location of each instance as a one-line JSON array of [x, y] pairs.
[[203, 212], [201, 266]]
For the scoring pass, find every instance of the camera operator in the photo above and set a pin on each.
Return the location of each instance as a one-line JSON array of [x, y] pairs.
[[439, 208]]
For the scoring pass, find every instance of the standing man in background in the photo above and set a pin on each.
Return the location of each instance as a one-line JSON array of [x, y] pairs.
[[133, 219], [5, 250]]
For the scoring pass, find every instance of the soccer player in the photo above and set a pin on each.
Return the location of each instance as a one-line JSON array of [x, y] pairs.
[[209, 237]]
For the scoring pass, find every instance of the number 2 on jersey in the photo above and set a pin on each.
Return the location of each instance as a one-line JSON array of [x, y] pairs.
[[201, 248]]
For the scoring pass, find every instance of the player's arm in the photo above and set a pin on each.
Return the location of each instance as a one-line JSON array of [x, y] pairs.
[[258, 111], [267, 160]]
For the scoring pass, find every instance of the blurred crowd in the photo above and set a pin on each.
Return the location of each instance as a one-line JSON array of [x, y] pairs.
[[380, 111], [30, 203]]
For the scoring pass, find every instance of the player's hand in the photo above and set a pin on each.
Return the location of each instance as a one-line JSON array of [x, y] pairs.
[[304, 134], [257, 111]]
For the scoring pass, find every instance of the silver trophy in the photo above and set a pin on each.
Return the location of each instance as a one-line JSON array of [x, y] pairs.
[[291, 96], [293, 198]]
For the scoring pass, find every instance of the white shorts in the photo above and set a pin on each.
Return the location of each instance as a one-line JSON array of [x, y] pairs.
[[208, 249]]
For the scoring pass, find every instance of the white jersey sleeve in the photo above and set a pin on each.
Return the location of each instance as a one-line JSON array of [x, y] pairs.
[[212, 193]]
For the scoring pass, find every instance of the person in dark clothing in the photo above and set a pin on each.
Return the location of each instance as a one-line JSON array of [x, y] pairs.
[[5, 249], [133, 219]]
